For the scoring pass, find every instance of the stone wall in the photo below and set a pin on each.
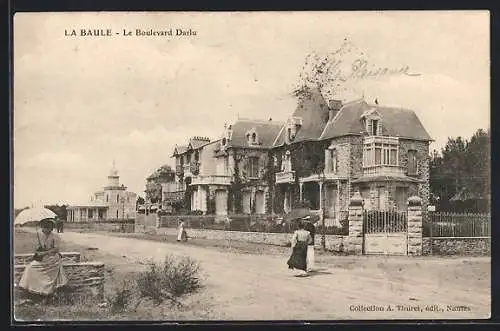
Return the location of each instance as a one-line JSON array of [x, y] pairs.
[[333, 242], [73, 257], [457, 246], [85, 279], [95, 226]]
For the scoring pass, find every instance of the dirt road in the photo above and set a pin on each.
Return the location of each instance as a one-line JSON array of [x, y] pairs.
[[260, 287]]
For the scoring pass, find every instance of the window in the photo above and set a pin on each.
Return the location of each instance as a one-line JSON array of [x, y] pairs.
[[380, 154], [374, 128], [117, 198], [254, 138], [412, 162], [289, 130], [117, 214], [107, 198], [223, 141], [334, 160], [196, 156], [253, 167]]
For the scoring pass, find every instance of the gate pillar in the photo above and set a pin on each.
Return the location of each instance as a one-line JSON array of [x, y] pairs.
[[355, 239], [414, 225]]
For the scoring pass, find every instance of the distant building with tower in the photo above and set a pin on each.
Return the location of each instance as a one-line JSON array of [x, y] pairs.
[[114, 202]]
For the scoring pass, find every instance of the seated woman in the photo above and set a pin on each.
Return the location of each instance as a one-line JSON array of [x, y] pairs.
[[300, 240], [45, 274]]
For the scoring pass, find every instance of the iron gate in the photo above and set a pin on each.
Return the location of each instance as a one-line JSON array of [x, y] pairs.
[[385, 232]]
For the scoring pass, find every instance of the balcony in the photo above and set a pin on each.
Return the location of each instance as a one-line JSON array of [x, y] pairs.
[[285, 177], [384, 170], [191, 169], [211, 180]]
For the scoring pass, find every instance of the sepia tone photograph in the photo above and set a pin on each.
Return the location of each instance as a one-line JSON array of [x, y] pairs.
[[251, 166]]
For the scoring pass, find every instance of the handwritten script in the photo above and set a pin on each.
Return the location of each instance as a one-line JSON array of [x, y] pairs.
[[347, 63], [359, 69]]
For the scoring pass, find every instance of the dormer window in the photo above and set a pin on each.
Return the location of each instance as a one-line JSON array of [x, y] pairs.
[[373, 122], [252, 137]]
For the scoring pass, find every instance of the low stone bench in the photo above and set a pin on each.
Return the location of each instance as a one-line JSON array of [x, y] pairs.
[[74, 257], [85, 279]]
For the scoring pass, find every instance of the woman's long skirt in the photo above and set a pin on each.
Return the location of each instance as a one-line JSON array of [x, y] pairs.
[[298, 259], [44, 277], [181, 235]]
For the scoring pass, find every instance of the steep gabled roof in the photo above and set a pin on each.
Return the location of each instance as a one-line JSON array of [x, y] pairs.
[[266, 130], [313, 110], [179, 150], [397, 122], [197, 142]]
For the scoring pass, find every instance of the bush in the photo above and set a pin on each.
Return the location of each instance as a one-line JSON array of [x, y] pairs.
[[170, 280], [181, 277], [121, 298]]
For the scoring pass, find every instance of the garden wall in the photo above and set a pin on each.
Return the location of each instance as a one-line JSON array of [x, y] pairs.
[[332, 242], [478, 246], [101, 226]]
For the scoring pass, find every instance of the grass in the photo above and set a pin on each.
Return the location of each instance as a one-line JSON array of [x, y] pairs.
[[122, 300]]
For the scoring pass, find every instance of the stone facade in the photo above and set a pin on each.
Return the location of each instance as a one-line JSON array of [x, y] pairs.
[[457, 246], [85, 279], [423, 159]]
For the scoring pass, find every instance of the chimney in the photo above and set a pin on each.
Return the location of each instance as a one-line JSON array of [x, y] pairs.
[[334, 106]]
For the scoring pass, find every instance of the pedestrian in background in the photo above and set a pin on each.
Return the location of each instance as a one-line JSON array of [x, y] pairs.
[[181, 231]]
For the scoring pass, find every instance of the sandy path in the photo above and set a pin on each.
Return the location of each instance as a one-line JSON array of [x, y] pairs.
[[260, 287]]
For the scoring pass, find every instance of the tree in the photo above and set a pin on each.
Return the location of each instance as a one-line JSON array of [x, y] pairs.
[[164, 174], [140, 201], [59, 210], [462, 166]]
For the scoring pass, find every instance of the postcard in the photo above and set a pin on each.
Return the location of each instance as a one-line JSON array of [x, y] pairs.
[[251, 166]]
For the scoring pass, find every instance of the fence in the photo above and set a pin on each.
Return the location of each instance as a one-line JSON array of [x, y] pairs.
[[384, 221], [472, 225]]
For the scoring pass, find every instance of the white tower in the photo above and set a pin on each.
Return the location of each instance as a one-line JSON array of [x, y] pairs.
[[113, 178]]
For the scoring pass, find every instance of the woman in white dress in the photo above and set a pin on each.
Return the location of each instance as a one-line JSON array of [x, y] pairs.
[[45, 274], [181, 232]]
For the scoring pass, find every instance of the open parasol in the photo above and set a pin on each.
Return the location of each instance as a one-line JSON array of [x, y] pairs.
[[35, 214]]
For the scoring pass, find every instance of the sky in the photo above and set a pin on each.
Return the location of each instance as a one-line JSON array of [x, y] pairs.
[[81, 102]]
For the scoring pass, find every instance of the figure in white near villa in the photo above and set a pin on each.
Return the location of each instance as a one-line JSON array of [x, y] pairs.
[[181, 232], [45, 274], [309, 226]]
